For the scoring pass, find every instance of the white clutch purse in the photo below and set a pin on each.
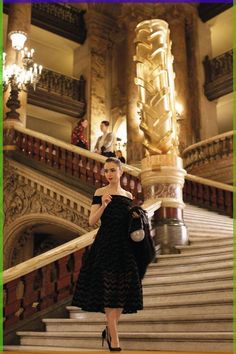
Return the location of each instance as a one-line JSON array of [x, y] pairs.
[[137, 235]]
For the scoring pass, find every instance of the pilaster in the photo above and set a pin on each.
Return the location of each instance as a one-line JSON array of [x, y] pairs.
[[100, 43]]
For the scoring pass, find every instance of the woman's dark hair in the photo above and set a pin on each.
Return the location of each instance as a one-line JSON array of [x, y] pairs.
[[115, 161], [105, 122], [81, 121]]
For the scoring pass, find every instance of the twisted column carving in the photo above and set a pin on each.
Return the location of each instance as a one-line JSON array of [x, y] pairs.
[[162, 174], [155, 80]]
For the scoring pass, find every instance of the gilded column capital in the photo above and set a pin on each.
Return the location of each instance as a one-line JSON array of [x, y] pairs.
[[132, 14], [173, 13]]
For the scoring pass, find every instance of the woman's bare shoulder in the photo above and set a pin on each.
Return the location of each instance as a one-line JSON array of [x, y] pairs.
[[100, 191], [129, 195]]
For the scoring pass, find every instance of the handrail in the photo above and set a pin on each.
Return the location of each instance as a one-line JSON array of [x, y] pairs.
[[207, 141], [48, 257], [134, 171], [72, 148], [210, 183], [66, 249]]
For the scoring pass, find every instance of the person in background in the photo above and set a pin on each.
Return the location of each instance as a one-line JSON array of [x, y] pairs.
[[120, 156], [104, 144], [78, 134]]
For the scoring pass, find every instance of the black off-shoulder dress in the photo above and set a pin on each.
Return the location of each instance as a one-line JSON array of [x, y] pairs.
[[109, 276]]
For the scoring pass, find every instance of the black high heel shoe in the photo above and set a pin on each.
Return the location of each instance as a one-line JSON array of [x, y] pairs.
[[106, 336]]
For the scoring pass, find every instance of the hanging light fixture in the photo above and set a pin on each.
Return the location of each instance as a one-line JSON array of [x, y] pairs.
[[21, 74]]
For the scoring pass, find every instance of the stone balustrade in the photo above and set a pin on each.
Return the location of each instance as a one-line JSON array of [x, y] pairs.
[[218, 75], [211, 158], [88, 166], [207, 194], [41, 288], [72, 160]]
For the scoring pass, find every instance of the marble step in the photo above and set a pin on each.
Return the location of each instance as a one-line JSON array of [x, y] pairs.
[[217, 220], [206, 222], [171, 259], [202, 286], [173, 300], [201, 249], [37, 348], [193, 209], [189, 278], [188, 268], [220, 241], [208, 219], [209, 227], [141, 323], [210, 236], [174, 341], [218, 308]]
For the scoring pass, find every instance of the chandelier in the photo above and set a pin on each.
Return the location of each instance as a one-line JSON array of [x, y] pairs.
[[21, 74]]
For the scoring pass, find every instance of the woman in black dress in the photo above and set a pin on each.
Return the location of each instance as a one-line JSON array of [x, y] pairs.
[[109, 281]]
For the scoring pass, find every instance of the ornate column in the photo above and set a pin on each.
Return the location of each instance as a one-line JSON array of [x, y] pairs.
[[181, 19], [131, 15], [19, 19], [162, 175]]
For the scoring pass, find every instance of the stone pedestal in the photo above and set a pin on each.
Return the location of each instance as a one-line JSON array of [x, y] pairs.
[[162, 178]]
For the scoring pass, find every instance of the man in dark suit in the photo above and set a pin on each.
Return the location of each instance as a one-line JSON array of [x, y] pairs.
[[104, 144]]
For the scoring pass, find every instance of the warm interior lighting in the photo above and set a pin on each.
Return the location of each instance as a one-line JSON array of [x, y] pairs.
[[20, 74], [179, 109], [18, 39]]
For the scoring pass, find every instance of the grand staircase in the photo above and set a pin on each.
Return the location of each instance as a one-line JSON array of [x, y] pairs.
[[187, 297]]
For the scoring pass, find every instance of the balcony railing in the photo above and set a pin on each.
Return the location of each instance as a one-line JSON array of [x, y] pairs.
[[62, 19], [59, 93], [218, 75]]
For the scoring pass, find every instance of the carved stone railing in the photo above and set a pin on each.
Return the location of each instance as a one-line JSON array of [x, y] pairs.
[[208, 150], [208, 194], [211, 158], [72, 160], [88, 167], [60, 93], [62, 19], [42, 281], [218, 75]]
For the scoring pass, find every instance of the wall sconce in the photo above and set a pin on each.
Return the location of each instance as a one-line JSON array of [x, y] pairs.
[[20, 75], [179, 109]]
